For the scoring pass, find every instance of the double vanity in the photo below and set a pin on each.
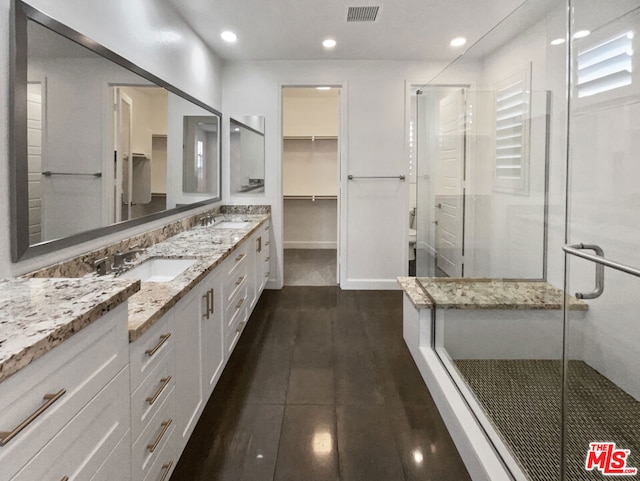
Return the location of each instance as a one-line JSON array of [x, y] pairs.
[[105, 377]]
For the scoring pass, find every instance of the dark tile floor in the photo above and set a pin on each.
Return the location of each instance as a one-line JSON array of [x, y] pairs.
[[321, 387]]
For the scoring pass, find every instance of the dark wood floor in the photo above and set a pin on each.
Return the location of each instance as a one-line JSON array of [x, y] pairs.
[[321, 387]]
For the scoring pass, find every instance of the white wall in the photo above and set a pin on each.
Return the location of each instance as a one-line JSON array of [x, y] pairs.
[[146, 32], [373, 235]]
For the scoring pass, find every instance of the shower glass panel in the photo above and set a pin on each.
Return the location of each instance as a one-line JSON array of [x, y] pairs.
[[492, 160], [602, 398]]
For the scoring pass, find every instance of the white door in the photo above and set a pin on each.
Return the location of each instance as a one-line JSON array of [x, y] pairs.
[[123, 166], [449, 184]]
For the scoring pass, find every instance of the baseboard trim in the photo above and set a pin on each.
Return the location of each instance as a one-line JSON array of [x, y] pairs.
[[310, 245]]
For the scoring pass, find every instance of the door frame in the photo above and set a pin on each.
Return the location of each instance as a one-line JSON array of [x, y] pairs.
[[341, 241]]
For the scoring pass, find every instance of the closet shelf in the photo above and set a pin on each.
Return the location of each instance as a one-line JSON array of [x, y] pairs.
[[312, 198]]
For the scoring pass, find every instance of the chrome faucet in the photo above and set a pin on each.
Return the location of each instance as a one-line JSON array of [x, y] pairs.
[[120, 258]]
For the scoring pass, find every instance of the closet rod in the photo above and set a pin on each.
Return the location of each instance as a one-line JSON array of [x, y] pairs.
[[48, 173], [352, 177]]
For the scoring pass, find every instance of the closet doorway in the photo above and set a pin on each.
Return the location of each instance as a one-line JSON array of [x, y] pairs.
[[310, 185]]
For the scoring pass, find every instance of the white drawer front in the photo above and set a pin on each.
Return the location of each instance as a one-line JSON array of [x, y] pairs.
[[149, 396], [235, 260], [148, 351], [81, 366], [157, 433], [118, 464], [83, 445], [235, 282], [165, 461]]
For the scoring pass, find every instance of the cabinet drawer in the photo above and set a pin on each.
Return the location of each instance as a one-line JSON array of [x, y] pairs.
[[118, 464], [76, 370], [165, 461], [235, 307], [148, 351], [147, 399], [236, 260], [156, 434], [82, 446], [235, 283]]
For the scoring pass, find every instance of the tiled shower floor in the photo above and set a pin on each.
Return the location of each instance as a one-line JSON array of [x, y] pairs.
[[522, 398]]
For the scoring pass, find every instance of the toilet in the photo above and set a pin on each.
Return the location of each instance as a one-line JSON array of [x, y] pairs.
[[413, 235]]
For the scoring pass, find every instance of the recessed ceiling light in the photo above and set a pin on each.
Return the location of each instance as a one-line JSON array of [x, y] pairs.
[[581, 33], [323, 88], [458, 42], [557, 41], [229, 36], [329, 43]]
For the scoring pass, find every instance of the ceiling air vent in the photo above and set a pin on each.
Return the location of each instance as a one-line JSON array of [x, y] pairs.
[[362, 14]]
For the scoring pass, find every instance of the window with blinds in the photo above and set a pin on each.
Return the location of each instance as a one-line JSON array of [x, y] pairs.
[[512, 115], [606, 66]]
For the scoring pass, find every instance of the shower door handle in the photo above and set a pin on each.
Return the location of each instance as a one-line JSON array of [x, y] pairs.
[[577, 250]]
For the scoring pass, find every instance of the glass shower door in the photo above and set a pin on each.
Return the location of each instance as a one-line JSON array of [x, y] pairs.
[[601, 399]]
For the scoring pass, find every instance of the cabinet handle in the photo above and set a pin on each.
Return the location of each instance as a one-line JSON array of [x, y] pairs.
[[239, 304], [166, 468], [240, 326], [165, 382], [267, 228], [207, 296], [268, 259], [267, 274], [165, 425], [163, 339], [211, 305], [259, 240], [267, 243], [6, 436], [66, 478], [239, 281], [240, 257]]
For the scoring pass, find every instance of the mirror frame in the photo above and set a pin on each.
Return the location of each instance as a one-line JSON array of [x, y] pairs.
[[18, 176]]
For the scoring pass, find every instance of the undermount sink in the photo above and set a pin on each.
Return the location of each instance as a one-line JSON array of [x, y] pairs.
[[229, 224], [158, 269]]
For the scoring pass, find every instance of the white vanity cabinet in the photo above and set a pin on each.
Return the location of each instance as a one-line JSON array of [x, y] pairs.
[[73, 406], [199, 352], [263, 257]]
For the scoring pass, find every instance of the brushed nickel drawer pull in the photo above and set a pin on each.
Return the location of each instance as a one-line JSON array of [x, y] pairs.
[[163, 339], [268, 259], [267, 243], [239, 304], [6, 436], [212, 304], [240, 257], [267, 228], [207, 312], [267, 274], [165, 425], [239, 281], [240, 326], [259, 248], [166, 468], [164, 383]]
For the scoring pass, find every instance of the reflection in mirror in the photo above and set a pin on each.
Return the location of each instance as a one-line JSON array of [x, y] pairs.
[[247, 155], [99, 141], [201, 147]]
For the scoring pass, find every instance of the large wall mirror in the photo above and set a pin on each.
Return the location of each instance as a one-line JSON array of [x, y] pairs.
[[99, 145]]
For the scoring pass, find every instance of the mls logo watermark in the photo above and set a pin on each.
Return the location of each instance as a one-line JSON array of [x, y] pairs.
[[609, 460]]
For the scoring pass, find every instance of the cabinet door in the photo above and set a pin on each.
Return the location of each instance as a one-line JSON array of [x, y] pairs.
[[212, 339], [189, 393]]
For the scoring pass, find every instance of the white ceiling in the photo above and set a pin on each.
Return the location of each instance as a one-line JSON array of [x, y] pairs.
[[294, 29]]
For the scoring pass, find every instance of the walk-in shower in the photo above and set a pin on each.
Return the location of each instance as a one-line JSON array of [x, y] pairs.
[[528, 184]]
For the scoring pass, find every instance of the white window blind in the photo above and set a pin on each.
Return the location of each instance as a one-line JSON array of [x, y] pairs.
[[606, 66], [512, 114]]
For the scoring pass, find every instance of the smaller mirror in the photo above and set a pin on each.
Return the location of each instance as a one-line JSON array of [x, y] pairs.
[[247, 155]]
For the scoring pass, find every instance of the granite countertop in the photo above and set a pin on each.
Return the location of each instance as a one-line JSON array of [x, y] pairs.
[[415, 292], [210, 245], [467, 293], [37, 315]]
